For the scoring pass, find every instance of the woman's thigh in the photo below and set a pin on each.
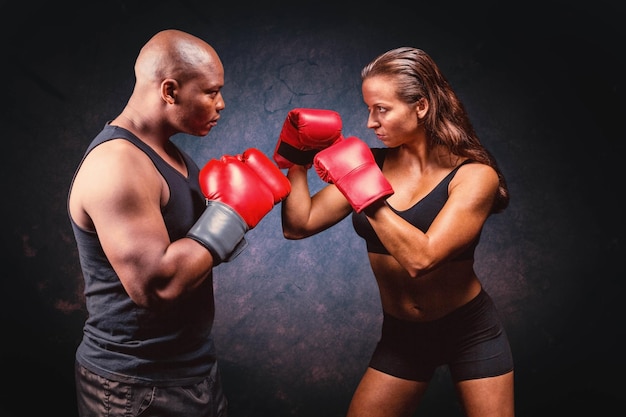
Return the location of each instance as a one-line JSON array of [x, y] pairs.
[[488, 397], [379, 394]]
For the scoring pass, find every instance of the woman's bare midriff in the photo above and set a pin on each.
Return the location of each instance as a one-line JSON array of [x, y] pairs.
[[426, 297]]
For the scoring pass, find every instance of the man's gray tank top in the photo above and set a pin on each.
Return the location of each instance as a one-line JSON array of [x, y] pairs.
[[124, 342]]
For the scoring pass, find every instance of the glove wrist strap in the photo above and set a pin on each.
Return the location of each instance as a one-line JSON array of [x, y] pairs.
[[295, 155], [221, 230]]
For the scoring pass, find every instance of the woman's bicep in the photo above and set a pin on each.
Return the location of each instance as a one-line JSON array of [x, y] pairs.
[[461, 219]]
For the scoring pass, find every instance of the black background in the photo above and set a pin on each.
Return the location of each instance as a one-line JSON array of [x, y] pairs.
[[297, 321]]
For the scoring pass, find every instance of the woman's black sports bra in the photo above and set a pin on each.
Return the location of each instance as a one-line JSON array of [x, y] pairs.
[[421, 215]]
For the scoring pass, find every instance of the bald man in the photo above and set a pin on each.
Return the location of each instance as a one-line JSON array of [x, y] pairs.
[[148, 241]]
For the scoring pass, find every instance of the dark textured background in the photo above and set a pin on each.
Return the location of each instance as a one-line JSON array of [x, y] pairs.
[[296, 321]]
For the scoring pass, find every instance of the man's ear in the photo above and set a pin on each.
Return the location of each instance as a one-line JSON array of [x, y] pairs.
[[169, 90]]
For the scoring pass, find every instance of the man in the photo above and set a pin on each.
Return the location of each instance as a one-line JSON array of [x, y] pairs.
[[150, 226]]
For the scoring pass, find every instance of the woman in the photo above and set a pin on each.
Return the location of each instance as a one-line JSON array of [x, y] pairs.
[[420, 237]]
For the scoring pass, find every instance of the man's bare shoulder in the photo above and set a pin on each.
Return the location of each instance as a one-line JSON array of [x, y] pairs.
[[114, 174]]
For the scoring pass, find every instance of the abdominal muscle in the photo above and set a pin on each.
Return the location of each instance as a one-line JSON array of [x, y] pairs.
[[426, 297]]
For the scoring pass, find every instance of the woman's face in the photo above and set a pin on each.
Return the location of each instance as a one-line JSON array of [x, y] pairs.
[[394, 122]]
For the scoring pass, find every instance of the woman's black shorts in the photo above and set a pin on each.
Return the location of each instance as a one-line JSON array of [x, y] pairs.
[[470, 341]]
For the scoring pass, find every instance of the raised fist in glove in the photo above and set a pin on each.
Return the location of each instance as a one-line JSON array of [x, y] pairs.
[[350, 165], [305, 132], [240, 191]]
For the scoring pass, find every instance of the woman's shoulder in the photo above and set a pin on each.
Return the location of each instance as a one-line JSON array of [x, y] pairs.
[[475, 174]]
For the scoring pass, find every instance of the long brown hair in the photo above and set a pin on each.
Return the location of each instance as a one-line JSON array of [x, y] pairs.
[[417, 76]]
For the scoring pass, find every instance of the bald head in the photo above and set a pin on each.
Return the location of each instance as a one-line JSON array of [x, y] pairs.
[[174, 54]]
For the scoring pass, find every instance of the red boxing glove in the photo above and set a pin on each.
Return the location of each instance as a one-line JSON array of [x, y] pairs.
[[350, 165], [234, 183], [240, 190], [305, 132], [268, 173]]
